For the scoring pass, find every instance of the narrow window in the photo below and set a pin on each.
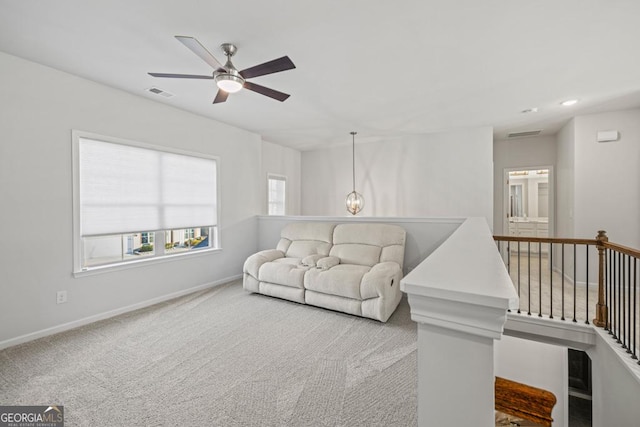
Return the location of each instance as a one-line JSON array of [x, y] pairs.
[[276, 194]]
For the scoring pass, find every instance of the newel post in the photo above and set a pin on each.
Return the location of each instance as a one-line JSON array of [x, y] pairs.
[[601, 308], [459, 312]]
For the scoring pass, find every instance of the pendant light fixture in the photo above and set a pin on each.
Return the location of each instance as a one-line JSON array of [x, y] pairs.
[[355, 201]]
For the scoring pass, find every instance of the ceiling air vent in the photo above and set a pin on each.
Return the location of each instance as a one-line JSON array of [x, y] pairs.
[[524, 133], [158, 91]]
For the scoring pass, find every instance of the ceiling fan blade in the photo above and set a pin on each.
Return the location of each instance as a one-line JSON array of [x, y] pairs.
[[194, 46], [180, 76], [275, 66], [221, 96], [266, 91]]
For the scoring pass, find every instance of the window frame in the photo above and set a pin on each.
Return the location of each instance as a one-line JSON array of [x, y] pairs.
[[273, 176], [159, 235]]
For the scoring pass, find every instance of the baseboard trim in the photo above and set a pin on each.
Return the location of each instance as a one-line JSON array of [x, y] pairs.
[[570, 280], [111, 313]]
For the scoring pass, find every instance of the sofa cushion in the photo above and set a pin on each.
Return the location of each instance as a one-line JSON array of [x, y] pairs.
[[300, 239], [283, 271], [304, 248], [355, 253], [342, 280], [368, 244]]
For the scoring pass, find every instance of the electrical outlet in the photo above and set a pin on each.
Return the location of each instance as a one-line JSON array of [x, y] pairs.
[[61, 297]]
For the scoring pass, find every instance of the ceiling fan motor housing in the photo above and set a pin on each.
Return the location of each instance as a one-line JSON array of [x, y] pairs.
[[229, 49]]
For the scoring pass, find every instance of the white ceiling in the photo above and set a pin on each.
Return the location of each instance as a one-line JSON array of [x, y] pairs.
[[382, 68]]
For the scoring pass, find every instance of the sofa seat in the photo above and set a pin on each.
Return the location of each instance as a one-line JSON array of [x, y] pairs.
[[354, 268], [284, 271]]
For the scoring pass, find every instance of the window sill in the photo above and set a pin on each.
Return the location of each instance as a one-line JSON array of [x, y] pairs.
[[90, 271]]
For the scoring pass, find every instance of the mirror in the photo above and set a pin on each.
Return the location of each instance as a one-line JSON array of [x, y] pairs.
[[529, 194], [515, 200]]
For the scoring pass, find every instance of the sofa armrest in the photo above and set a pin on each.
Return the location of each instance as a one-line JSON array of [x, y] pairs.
[[328, 262], [311, 260], [255, 261], [383, 279]]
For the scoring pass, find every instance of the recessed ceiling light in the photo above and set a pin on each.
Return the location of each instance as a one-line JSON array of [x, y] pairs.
[[568, 102], [530, 110]]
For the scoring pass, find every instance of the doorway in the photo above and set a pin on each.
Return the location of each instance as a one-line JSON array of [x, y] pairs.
[[580, 390], [528, 202]]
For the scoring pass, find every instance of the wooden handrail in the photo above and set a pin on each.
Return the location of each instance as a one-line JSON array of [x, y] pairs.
[[623, 249], [546, 240], [523, 401], [594, 242]]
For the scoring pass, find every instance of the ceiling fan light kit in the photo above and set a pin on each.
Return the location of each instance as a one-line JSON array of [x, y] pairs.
[[228, 79], [229, 83]]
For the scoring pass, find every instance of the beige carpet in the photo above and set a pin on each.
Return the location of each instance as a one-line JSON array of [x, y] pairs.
[[222, 357]]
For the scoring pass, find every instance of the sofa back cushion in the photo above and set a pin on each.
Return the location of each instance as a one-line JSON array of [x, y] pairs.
[[368, 244], [300, 239]]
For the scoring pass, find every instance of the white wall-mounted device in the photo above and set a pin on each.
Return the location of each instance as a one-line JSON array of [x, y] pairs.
[[608, 135]]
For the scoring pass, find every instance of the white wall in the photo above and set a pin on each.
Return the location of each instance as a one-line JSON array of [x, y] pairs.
[[432, 175], [284, 161], [565, 171], [518, 153], [536, 364], [615, 383], [607, 177], [598, 185], [40, 106]]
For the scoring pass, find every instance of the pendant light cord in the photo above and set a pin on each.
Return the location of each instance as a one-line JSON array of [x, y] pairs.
[[353, 157]]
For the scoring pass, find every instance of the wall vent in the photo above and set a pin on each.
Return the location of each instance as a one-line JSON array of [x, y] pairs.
[[524, 133], [158, 91]]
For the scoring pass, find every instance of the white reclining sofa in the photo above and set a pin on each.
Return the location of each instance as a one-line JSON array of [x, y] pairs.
[[352, 267]]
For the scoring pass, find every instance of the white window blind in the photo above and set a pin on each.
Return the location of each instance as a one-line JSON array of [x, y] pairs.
[[125, 189], [276, 196]]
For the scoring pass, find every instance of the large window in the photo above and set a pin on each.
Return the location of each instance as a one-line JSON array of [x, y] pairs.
[[276, 194], [130, 198]]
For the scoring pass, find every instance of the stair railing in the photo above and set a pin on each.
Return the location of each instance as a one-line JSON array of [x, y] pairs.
[[620, 295], [558, 285], [551, 275]]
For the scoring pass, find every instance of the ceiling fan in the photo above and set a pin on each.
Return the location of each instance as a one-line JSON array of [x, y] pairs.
[[227, 77]]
